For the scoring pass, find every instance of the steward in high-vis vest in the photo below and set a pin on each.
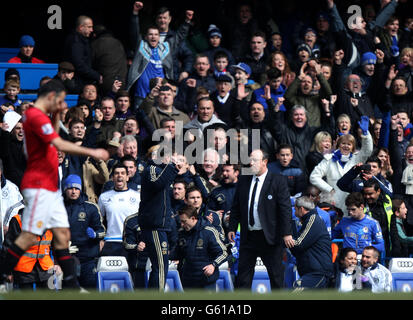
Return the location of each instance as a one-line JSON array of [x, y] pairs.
[[35, 263]]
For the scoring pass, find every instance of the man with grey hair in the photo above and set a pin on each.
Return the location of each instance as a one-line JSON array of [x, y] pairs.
[[297, 132], [311, 247]]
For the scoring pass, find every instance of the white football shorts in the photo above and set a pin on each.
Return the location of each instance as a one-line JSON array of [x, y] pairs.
[[44, 210]]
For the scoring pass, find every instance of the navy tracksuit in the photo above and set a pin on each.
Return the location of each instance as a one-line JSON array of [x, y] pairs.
[[155, 218], [196, 249], [83, 214]]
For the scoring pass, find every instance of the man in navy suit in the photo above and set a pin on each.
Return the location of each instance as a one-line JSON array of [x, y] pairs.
[[263, 208]]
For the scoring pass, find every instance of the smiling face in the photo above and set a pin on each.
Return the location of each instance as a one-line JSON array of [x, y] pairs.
[[299, 118], [369, 69], [344, 125], [409, 155], [18, 131], [78, 130], [392, 27], [163, 20], [278, 62], [130, 127], [399, 87], [350, 259]]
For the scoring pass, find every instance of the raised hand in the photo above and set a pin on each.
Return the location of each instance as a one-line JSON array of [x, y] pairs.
[[137, 6]]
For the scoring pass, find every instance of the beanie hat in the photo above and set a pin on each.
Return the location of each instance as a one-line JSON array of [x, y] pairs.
[[11, 72], [73, 181], [304, 47], [213, 31], [368, 58], [26, 40]]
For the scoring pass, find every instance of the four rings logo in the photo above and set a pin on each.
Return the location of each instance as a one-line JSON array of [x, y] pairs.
[[113, 263], [405, 264]]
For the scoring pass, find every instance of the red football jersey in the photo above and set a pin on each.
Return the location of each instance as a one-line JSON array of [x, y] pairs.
[[42, 162]]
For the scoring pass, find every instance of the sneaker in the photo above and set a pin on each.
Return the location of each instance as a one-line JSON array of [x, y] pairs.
[[83, 290]]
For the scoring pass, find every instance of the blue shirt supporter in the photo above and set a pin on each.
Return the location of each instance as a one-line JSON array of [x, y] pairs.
[[154, 69]]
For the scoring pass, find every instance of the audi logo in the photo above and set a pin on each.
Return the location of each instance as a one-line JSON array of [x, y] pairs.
[[405, 264], [113, 263]]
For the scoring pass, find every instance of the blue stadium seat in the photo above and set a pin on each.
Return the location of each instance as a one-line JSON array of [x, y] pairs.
[[290, 275], [71, 99], [113, 274], [30, 73], [224, 282], [173, 281], [261, 281], [7, 53], [114, 281], [402, 274]]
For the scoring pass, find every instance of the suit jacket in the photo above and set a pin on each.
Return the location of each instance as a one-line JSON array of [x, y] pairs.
[[274, 208]]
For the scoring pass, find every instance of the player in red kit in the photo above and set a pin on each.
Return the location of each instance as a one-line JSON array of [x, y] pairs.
[[44, 202]]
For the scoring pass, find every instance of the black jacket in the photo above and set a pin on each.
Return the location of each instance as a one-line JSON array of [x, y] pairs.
[[78, 51], [274, 207]]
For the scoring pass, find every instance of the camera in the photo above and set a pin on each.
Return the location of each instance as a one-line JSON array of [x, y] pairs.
[[365, 168]]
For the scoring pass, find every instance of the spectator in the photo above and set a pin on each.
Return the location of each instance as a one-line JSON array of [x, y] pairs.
[[123, 105], [386, 168], [215, 45], [202, 259], [12, 89], [311, 248], [66, 74], [86, 229], [105, 122], [78, 51], [322, 145], [313, 193], [277, 89], [347, 275], [396, 93], [287, 166], [206, 116], [90, 94], [300, 92], [152, 58], [401, 243], [108, 58], [11, 200], [182, 57], [165, 108], [358, 230], [13, 153], [297, 132], [333, 167], [227, 106], [376, 277], [257, 57], [379, 207], [354, 179], [202, 76], [25, 55], [279, 60], [257, 120], [116, 205]]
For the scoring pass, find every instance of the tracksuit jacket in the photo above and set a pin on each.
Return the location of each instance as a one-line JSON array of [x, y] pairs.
[[312, 248], [83, 214], [155, 206], [198, 248]]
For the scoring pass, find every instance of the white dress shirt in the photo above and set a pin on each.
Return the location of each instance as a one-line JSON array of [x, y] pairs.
[[261, 179]]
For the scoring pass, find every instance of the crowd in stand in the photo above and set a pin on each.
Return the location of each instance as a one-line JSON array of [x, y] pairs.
[[332, 106]]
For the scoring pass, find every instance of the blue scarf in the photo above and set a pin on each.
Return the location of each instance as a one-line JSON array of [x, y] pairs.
[[337, 157]]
